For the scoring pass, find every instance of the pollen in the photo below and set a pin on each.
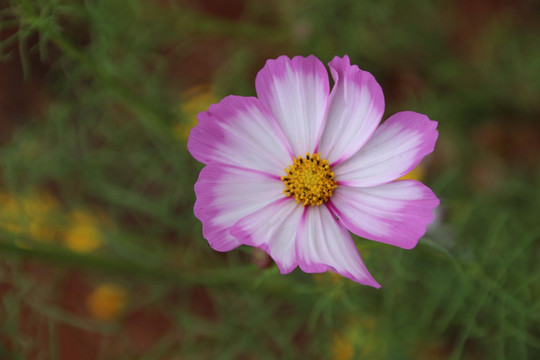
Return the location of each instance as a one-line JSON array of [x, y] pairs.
[[309, 180]]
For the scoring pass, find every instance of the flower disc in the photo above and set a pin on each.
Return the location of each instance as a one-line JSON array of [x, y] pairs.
[[309, 180]]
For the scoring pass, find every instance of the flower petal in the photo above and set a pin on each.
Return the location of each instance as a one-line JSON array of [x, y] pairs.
[[355, 110], [239, 131], [226, 194], [296, 92], [396, 147], [396, 213], [273, 229], [322, 244]]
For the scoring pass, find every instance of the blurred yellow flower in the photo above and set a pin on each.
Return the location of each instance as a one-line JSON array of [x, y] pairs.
[[357, 340], [106, 301], [83, 234], [342, 348], [193, 101], [32, 215], [38, 216], [418, 173]]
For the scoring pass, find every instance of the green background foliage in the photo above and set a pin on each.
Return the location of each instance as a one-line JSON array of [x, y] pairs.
[[91, 96]]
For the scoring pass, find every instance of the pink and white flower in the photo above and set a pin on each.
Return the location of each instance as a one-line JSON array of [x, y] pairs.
[[293, 170]]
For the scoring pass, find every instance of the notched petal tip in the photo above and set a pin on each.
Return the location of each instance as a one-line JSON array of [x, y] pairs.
[[322, 243], [395, 213], [296, 92], [227, 193], [397, 147], [355, 110]]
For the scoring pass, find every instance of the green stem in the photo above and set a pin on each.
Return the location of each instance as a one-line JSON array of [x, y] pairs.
[[238, 278]]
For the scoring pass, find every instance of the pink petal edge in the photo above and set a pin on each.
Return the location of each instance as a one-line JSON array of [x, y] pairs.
[[323, 244], [240, 131], [355, 110], [396, 147], [395, 213], [273, 229], [296, 92], [225, 194]]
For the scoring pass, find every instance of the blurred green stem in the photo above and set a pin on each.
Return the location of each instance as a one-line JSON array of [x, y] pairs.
[[237, 278]]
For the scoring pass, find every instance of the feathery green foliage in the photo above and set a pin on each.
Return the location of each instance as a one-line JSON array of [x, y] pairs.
[[105, 139]]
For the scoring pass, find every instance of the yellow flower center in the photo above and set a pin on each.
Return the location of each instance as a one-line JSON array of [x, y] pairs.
[[309, 180]]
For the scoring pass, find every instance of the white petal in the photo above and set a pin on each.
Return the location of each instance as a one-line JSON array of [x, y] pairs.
[[396, 147], [355, 111], [296, 92], [225, 194], [273, 229], [322, 244], [396, 213], [239, 131]]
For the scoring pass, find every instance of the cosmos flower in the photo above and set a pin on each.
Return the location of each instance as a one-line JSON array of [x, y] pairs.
[[296, 168]]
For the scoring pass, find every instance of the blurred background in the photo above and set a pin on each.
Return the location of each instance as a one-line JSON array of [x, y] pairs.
[[101, 256]]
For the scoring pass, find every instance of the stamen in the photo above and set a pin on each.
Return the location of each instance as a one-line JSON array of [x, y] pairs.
[[310, 182]]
